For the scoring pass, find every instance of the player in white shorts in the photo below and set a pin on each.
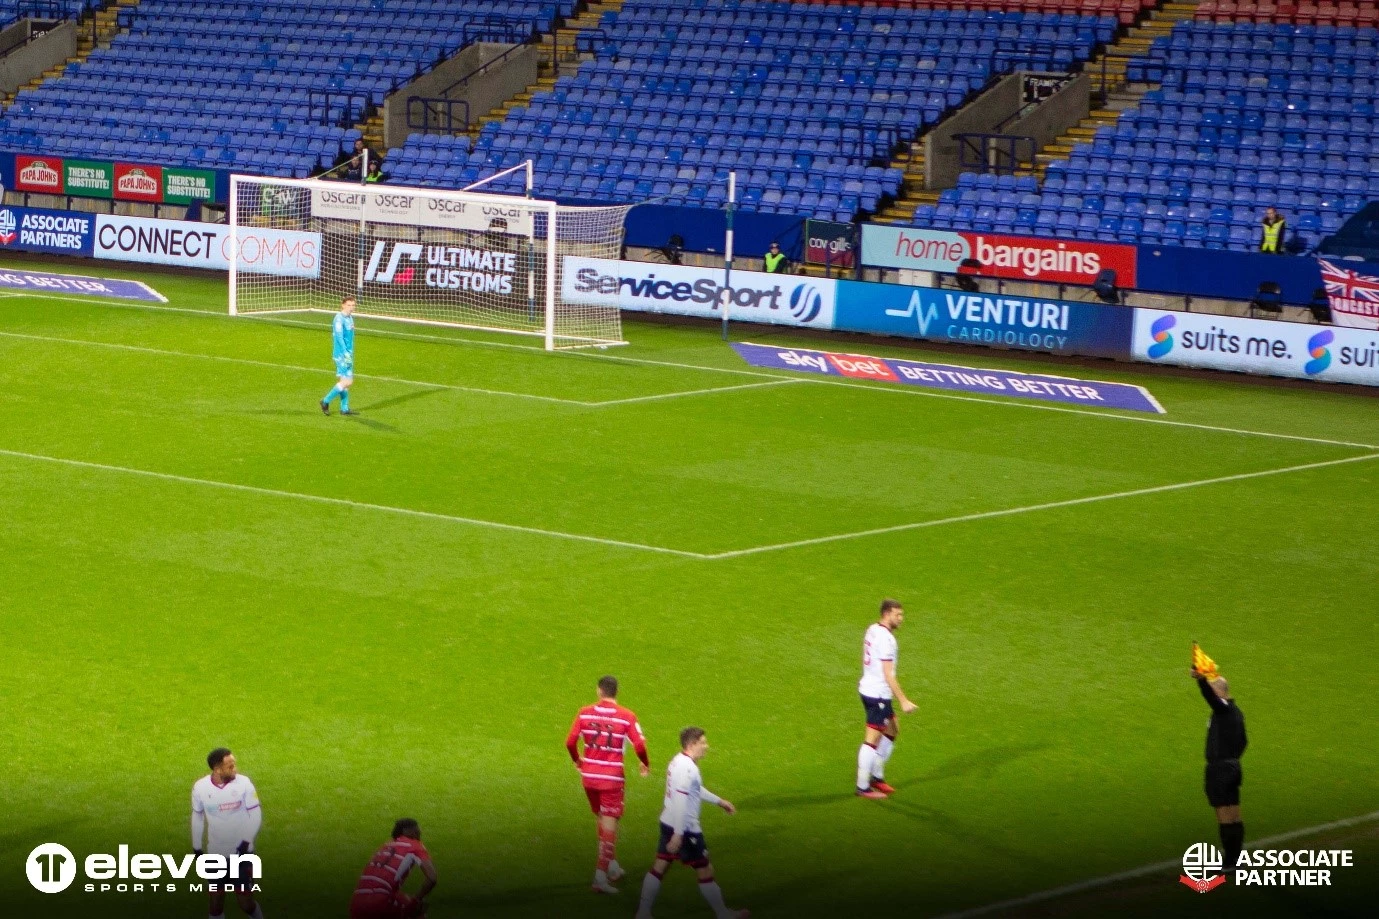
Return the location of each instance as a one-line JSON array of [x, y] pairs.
[[226, 818]]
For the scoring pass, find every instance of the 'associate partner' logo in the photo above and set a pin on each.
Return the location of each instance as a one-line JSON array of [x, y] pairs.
[[1202, 865]]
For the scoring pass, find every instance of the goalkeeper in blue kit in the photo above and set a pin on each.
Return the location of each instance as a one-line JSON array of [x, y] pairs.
[[342, 341]]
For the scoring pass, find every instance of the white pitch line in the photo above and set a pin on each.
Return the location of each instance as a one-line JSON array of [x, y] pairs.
[[296, 367], [345, 502], [1031, 508], [693, 392], [848, 384], [1144, 870], [369, 376]]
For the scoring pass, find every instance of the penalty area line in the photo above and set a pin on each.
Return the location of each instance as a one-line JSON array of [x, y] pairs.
[[345, 502], [1031, 508], [143, 349], [1068, 890]]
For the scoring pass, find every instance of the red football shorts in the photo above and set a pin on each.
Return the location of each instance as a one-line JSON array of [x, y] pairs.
[[398, 906], [606, 802]]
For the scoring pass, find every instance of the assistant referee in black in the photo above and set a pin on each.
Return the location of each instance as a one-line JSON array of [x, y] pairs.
[[1225, 745]]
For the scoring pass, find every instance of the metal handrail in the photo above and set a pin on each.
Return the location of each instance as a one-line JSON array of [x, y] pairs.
[[978, 150], [525, 39], [426, 112], [329, 97]]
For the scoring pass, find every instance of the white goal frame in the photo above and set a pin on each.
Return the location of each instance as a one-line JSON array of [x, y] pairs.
[[551, 209]]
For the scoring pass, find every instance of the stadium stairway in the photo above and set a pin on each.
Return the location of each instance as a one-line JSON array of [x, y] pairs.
[[95, 29], [1118, 94], [562, 42], [1107, 71]]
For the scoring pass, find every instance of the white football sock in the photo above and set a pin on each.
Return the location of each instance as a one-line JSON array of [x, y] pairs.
[[714, 894], [866, 757], [651, 886], [883, 753]]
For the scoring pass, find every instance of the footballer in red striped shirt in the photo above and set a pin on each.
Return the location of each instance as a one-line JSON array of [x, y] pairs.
[[604, 729], [379, 892]]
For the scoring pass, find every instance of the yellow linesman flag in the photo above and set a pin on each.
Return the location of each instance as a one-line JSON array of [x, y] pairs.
[[1203, 664]]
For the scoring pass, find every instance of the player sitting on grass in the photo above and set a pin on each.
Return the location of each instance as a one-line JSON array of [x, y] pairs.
[[605, 729], [682, 838], [342, 341], [878, 688], [379, 892], [227, 816]]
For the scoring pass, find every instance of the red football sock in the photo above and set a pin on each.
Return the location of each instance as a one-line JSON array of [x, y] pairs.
[[608, 844]]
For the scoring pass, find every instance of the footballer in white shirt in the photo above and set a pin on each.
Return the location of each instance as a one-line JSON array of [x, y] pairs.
[[879, 690], [682, 838], [226, 818]]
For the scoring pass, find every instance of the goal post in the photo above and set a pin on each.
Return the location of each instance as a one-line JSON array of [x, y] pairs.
[[468, 259]]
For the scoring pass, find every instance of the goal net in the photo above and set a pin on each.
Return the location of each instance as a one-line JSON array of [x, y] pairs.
[[455, 258]]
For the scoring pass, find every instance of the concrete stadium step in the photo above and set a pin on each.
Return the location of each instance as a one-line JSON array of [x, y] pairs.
[[562, 45], [95, 28], [1119, 96]]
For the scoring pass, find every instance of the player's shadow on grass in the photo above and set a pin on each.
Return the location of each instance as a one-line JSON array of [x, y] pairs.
[[398, 400], [977, 762], [974, 763], [946, 825]]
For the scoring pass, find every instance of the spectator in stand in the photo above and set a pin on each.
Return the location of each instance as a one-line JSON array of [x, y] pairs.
[[776, 260], [375, 172], [1272, 231], [355, 160]]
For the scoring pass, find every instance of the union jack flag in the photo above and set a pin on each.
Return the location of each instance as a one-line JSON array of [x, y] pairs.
[[1343, 282], [1354, 297]]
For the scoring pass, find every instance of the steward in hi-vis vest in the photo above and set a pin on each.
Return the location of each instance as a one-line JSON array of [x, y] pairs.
[[776, 262], [1273, 227]]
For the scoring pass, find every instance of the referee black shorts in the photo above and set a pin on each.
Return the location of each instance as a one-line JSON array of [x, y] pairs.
[[1223, 780]]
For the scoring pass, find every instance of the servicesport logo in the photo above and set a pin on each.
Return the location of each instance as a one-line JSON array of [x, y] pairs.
[[806, 303], [752, 296], [52, 868]]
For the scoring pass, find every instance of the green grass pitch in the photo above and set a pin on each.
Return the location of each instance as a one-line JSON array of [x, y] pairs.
[[398, 614]]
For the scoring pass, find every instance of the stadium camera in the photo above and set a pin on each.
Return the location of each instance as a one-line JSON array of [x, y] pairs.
[[964, 279], [1105, 286], [1268, 299], [673, 248]]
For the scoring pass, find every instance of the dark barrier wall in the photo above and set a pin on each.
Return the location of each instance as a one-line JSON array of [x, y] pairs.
[[650, 225], [1228, 275]]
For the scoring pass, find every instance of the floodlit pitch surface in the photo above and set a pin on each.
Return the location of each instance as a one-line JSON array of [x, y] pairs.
[[397, 614]]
